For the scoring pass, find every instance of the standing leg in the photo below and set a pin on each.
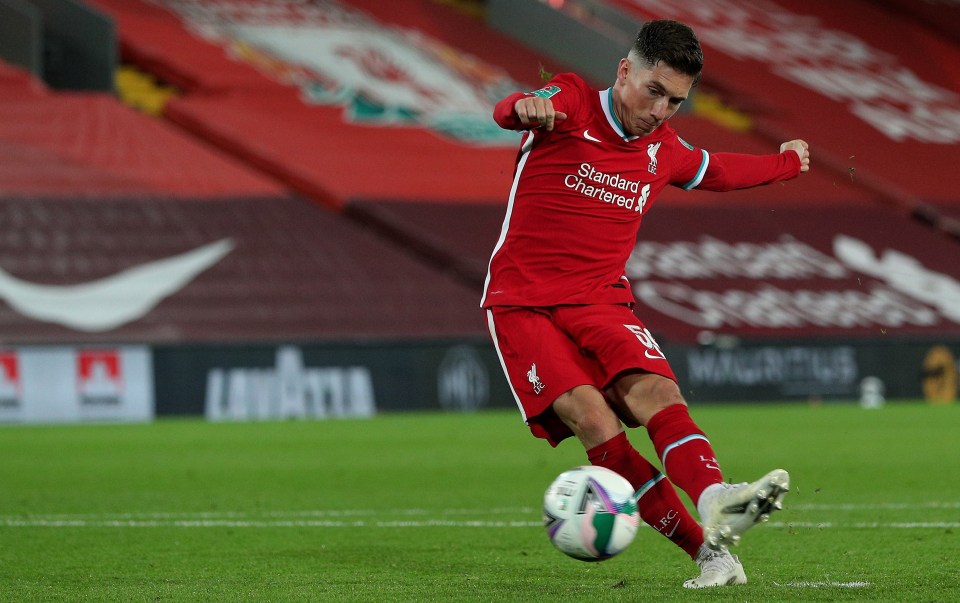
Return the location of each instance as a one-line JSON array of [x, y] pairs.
[[585, 410], [659, 505]]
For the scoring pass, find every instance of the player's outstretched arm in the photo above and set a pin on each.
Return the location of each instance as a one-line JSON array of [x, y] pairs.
[[803, 151], [731, 171]]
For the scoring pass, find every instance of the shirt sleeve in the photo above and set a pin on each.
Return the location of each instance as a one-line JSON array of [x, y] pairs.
[[696, 168], [689, 165], [731, 171]]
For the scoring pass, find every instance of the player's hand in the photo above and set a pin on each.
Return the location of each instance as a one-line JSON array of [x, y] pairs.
[[802, 149], [535, 112]]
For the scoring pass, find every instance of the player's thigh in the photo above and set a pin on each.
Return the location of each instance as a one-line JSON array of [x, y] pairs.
[[618, 341], [539, 360]]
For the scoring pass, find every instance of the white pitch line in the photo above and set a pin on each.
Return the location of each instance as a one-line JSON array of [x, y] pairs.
[[241, 515], [511, 517], [828, 584], [342, 515], [208, 521], [897, 525], [236, 523], [799, 506]]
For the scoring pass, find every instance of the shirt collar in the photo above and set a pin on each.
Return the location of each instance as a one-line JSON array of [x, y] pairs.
[[606, 101]]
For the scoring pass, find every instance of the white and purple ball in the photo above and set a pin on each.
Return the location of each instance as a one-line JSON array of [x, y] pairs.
[[590, 513]]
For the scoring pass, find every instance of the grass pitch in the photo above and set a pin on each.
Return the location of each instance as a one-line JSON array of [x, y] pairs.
[[444, 507]]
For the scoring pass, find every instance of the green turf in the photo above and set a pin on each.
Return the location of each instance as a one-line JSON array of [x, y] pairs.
[[445, 507]]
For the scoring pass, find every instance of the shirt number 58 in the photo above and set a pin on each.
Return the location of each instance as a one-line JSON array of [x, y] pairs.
[[653, 350]]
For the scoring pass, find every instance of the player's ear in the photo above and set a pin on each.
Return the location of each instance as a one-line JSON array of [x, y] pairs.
[[623, 69]]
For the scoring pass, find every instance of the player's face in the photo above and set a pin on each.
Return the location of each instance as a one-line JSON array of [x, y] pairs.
[[645, 97]]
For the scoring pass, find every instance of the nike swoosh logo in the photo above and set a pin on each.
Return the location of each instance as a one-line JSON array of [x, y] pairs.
[[586, 134], [653, 356], [107, 303], [675, 526]]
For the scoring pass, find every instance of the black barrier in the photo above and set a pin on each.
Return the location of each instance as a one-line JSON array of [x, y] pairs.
[[731, 370], [327, 380], [256, 382]]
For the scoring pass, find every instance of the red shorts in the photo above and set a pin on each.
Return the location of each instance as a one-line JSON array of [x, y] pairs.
[[546, 352]]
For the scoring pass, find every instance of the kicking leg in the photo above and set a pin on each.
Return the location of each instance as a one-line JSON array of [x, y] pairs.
[[688, 459]]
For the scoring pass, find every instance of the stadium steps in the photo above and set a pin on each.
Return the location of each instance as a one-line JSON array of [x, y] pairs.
[[90, 189], [294, 273]]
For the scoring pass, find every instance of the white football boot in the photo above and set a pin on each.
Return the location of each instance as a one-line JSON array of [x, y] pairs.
[[717, 568], [729, 510]]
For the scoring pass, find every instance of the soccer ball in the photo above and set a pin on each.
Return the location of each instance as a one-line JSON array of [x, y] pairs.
[[590, 513]]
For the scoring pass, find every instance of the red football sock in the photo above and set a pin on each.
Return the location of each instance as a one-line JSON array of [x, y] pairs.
[[659, 505], [684, 450]]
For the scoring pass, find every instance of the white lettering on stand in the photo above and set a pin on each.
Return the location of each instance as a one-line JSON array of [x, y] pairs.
[[289, 390]]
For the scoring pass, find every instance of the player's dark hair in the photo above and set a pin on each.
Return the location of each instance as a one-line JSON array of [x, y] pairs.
[[672, 42]]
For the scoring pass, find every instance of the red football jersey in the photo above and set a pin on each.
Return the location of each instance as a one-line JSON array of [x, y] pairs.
[[581, 190]]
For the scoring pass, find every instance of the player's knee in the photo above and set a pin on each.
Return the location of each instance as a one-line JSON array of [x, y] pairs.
[[586, 412], [597, 424], [665, 392], [646, 388], [648, 395]]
